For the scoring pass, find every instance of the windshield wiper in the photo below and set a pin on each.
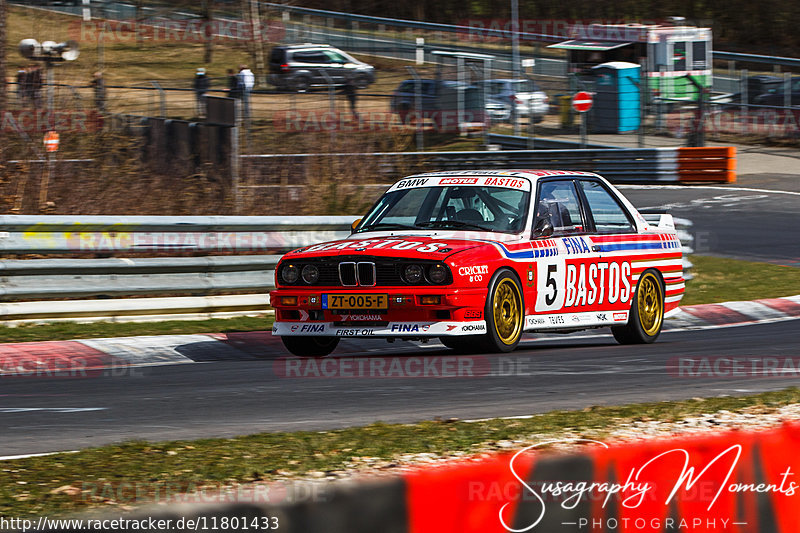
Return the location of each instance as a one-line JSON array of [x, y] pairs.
[[452, 224], [385, 225]]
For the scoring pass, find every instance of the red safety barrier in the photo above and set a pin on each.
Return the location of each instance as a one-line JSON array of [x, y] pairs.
[[735, 481], [717, 164]]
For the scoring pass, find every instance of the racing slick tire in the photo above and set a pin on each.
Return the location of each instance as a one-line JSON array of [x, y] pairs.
[[310, 346], [646, 316], [505, 313]]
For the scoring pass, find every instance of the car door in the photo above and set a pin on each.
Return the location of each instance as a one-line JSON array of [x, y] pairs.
[[615, 238], [563, 256], [316, 62], [337, 66]]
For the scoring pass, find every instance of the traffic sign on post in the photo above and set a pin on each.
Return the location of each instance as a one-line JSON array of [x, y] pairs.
[[51, 141], [582, 102]]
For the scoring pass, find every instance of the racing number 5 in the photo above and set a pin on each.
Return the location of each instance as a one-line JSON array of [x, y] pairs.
[[550, 299], [550, 281]]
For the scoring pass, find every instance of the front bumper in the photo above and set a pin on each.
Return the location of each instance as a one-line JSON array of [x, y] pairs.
[[391, 329], [458, 312]]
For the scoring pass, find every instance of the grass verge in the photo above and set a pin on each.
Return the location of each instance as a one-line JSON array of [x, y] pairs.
[[96, 477], [718, 279], [68, 330]]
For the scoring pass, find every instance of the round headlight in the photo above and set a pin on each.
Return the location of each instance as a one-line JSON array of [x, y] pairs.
[[413, 274], [437, 273], [290, 274], [310, 274]]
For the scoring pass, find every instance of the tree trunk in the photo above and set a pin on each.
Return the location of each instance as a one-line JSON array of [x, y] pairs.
[[138, 7], [258, 42], [3, 99], [207, 14]]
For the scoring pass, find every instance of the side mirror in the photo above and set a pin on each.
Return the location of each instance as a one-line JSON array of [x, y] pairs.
[[355, 224], [544, 228]]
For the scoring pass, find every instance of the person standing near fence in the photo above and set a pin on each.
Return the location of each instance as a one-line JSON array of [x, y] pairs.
[[98, 84], [201, 85], [349, 90], [34, 85], [233, 84], [246, 83], [22, 83]]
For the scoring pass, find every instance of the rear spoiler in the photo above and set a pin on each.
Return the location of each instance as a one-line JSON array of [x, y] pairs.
[[660, 220], [681, 226]]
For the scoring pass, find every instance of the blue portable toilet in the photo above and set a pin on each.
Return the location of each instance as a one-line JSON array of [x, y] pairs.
[[616, 100]]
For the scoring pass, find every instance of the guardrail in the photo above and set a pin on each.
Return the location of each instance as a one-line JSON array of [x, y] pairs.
[[513, 142], [157, 288], [619, 165], [123, 288]]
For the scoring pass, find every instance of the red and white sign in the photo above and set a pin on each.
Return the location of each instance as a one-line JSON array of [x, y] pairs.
[[582, 102], [51, 141]]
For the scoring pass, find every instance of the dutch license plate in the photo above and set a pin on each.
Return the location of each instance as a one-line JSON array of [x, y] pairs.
[[355, 301]]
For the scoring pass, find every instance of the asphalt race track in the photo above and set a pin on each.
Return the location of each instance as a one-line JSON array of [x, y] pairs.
[[755, 220], [218, 397], [226, 398]]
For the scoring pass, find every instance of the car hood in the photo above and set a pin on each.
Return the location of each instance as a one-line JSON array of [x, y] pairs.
[[416, 246]]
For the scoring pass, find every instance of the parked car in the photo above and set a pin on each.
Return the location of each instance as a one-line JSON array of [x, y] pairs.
[[498, 110], [476, 257], [438, 102], [300, 66], [756, 86], [404, 97], [775, 95], [526, 97]]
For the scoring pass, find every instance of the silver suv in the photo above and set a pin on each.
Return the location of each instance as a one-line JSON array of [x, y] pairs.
[[300, 66]]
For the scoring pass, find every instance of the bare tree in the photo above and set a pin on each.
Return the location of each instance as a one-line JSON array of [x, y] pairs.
[[207, 15], [3, 99], [256, 46]]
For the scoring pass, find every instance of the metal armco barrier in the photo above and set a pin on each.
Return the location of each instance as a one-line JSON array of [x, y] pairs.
[[649, 485], [619, 165], [513, 142], [31, 234], [132, 287]]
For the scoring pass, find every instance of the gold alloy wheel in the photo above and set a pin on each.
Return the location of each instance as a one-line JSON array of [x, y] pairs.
[[507, 311], [650, 304]]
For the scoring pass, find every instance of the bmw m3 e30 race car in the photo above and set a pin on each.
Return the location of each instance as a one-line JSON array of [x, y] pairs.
[[475, 258]]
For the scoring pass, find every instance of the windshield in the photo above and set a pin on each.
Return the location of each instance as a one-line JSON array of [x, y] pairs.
[[472, 208]]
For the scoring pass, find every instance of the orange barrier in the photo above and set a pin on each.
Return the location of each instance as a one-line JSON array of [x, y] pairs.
[[717, 164], [735, 481]]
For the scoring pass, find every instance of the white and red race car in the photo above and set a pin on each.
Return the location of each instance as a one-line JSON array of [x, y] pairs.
[[475, 258]]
